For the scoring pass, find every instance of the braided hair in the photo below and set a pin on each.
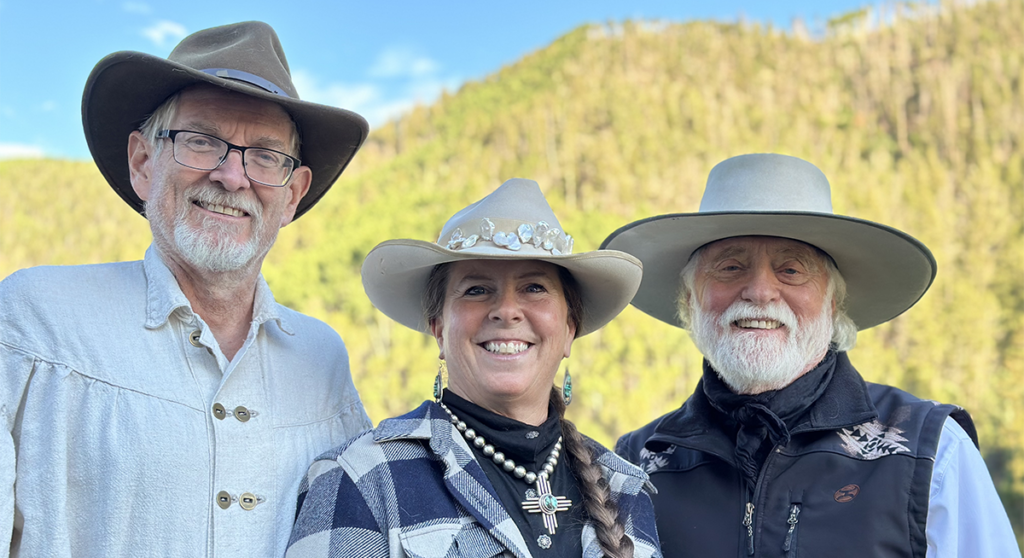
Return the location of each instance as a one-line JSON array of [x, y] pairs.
[[597, 500]]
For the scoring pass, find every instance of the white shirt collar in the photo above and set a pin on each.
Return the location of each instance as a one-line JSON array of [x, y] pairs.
[[164, 296]]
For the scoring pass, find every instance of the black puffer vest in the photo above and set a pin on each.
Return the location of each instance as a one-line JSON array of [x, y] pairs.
[[854, 480]]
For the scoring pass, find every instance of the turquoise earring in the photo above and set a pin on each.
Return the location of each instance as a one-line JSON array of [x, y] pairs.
[[567, 387], [439, 383]]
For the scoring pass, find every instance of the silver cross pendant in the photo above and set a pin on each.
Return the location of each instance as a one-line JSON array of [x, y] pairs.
[[547, 504]]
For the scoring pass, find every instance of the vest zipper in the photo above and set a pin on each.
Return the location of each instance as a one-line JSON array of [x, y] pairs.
[[790, 545], [748, 522], [748, 516]]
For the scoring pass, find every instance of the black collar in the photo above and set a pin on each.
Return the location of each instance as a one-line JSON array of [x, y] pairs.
[[525, 443], [845, 402]]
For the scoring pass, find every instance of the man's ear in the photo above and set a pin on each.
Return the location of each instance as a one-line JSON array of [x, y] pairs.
[[297, 188], [140, 164]]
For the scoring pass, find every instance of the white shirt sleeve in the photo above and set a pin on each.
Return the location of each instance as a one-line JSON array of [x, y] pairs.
[[965, 516]]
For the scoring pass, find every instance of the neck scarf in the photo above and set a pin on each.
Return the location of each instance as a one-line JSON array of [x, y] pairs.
[[768, 415]]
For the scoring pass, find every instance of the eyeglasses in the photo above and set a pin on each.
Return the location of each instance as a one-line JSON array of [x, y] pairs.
[[205, 152]]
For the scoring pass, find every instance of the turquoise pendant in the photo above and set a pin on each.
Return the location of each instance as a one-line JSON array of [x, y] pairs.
[[547, 504]]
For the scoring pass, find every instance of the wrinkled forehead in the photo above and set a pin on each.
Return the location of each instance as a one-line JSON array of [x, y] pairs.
[[210, 102], [771, 246]]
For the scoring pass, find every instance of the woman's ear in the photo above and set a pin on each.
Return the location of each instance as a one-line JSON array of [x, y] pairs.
[[437, 330], [570, 338]]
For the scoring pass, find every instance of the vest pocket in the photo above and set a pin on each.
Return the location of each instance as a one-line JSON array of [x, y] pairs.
[[789, 545]]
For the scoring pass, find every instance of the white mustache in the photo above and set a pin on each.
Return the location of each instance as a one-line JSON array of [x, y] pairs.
[[217, 196], [742, 310]]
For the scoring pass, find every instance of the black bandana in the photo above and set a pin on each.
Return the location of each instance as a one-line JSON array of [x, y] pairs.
[[765, 415]]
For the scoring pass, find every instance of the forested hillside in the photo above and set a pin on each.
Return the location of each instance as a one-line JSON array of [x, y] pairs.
[[917, 118]]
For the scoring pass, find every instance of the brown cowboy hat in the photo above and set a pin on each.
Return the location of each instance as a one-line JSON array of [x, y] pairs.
[[125, 87]]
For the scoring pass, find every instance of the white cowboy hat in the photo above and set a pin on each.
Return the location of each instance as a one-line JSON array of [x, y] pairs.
[[886, 270], [512, 223]]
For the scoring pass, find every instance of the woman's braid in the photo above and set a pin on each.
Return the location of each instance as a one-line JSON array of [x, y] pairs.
[[597, 500]]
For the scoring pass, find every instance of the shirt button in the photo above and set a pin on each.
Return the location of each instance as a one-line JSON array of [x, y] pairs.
[[194, 338], [218, 411], [223, 500], [247, 500], [242, 414]]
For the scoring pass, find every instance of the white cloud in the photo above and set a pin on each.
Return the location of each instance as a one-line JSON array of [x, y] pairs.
[[398, 80], [20, 151], [428, 90], [164, 30], [369, 99], [48, 106], [334, 94], [364, 98], [402, 62], [136, 7]]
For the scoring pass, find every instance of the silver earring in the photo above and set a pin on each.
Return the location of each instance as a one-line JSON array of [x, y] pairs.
[[567, 387], [438, 382]]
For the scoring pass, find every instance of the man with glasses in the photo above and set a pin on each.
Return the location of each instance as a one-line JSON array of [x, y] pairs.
[[169, 406]]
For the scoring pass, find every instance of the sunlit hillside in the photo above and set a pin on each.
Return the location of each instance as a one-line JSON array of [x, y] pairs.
[[917, 118]]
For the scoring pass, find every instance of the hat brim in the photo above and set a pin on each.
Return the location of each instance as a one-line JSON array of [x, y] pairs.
[[125, 87], [395, 276], [886, 271]]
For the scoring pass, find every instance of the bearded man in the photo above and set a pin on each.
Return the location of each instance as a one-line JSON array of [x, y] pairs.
[[170, 406], [783, 449]]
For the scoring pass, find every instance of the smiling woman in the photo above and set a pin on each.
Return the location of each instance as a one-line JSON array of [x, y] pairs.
[[490, 467], [503, 330]]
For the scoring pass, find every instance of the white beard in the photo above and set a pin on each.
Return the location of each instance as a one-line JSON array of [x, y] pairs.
[[749, 364], [211, 246]]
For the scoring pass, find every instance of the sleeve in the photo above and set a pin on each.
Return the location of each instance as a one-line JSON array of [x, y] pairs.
[[642, 527], [355, 420], [965, 515], [15, 369], [333, 518]]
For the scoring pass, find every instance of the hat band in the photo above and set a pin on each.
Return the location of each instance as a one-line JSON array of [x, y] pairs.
[[252, 79], [540, 235]]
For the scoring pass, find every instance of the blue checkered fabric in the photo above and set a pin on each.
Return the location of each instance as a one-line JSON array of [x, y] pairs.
[[412, 487]]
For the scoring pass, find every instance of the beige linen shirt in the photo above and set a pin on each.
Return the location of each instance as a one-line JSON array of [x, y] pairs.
[[124, 431]]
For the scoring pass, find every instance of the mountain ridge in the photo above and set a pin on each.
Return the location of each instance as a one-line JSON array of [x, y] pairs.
[[917, 124]]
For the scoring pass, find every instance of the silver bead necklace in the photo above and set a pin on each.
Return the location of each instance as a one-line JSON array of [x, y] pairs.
[[545, 502]]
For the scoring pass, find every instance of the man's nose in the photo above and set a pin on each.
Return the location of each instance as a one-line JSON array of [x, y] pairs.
[[231, 173], [762, 287]]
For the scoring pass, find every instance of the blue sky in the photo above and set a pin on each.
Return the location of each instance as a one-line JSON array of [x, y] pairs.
[[377, 58]]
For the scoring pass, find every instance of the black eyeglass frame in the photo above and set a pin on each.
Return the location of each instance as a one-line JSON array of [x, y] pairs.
[[171, 134]]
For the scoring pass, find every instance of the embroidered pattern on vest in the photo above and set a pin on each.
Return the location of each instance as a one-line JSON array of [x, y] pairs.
[[872, 440], [652, 461]]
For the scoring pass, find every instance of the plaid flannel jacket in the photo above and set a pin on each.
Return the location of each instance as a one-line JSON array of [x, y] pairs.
[[412, 487]]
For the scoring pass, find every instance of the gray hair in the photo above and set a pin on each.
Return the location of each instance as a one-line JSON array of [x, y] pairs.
[[160, 119], [844, 331]]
